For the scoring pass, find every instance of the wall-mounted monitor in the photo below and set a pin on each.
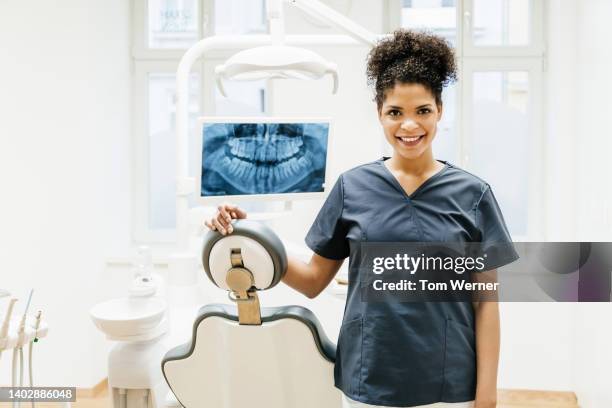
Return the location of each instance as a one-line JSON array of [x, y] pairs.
[[263, 158]]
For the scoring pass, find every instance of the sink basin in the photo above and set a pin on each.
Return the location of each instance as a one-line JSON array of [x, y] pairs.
[[126, 318]]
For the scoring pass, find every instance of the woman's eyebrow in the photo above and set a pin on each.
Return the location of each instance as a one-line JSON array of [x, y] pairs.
[[427, 105]]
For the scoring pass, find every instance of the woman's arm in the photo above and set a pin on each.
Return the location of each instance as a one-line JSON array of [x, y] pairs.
[[487, 346], [311, 278], [307, 278]]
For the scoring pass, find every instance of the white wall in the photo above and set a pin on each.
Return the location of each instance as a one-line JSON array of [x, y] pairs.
[[560, 346], [537, 338], [65, 169], [591, 112], [561, 90], [592, 355]]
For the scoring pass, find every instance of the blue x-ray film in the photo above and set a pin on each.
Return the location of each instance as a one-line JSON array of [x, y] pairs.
[[263, 158]]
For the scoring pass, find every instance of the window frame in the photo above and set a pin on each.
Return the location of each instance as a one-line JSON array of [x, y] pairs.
[[141, 147], [534, 49], [163, 61], [534, 69], [140, 29]]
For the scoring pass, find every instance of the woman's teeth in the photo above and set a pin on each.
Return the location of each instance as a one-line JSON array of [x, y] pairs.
[[410, 141]]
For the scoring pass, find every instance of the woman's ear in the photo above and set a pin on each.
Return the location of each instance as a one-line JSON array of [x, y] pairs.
[[440, 109]]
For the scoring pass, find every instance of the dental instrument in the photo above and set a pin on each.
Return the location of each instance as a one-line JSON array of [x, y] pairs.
[[6, 323], [19, 348], [34, 340]]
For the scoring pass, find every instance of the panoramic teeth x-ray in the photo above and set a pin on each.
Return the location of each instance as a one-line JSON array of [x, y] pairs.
[[263, 158]]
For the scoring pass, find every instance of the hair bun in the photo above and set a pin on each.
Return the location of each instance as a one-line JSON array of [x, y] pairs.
[[411, 57]]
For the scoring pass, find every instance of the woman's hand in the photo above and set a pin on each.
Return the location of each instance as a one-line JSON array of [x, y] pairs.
[[489, 401], [222, 219]]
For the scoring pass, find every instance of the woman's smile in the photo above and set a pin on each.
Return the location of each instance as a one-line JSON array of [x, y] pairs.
[[410, 141]]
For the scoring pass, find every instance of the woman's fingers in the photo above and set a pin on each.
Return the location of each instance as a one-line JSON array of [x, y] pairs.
[[218, 226], [224, 212], [222, 221], [235, 211], [226, 222]]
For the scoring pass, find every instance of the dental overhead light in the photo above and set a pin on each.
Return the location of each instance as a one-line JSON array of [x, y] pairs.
[[275, 61], [281, 61]]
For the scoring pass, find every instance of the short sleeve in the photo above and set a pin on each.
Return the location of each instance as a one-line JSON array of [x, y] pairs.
[[327, 235], [494, 237]]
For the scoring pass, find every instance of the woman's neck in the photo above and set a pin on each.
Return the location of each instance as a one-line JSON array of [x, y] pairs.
[[423, 165]]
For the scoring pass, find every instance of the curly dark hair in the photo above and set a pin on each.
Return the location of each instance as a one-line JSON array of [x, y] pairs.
[[411, 57]]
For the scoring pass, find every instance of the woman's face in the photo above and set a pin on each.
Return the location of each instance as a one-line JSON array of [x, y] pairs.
[[409, 116]]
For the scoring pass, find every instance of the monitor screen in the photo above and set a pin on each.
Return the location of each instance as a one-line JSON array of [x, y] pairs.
[[263, 156]]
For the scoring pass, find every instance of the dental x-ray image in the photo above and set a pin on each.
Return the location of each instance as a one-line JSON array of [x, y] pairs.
[[263, 158]]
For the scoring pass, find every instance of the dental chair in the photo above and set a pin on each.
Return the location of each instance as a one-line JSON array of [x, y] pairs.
[[243, 355]]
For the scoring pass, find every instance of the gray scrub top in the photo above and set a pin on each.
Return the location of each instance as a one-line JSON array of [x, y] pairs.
[[404, 354]]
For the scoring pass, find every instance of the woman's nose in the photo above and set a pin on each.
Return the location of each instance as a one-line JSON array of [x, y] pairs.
[[409, 124]]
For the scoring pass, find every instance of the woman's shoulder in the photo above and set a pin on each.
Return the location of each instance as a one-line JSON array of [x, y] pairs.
[[363, 168], [362, 173], [463, 178]]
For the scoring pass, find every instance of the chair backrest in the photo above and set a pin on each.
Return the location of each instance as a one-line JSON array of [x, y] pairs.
[[287, 361]]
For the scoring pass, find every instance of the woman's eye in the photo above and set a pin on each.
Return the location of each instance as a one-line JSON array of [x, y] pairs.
[[424, 111], [394, 113]]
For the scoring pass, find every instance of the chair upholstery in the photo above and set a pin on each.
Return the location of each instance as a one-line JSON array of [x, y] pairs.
[[287, 361]]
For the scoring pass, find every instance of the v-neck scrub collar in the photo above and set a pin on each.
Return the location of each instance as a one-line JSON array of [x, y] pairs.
[[432, 178]]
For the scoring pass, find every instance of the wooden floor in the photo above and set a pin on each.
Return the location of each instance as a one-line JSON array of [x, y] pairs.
[[507, 399], [532, 399]]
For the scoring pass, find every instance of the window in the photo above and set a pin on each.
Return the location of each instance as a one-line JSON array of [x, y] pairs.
[[434, 15], [163, 31], [239, 17], [172, 23], [501, 22], [428, 3], [495, 107]]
